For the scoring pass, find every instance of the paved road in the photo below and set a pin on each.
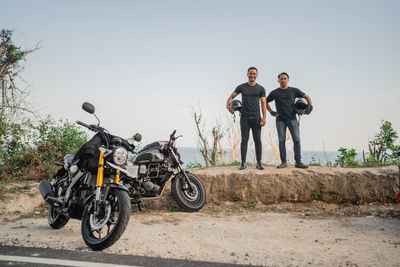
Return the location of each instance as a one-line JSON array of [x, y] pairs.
[[26, 256]]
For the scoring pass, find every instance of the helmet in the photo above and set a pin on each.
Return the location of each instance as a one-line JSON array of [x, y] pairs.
[[300, 106], [236, 105]]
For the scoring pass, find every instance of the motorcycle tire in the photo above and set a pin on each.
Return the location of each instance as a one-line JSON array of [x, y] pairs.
[[55, 219], [116, 212], [188, 200]]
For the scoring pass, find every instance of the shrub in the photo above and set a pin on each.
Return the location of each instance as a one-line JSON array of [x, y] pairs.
[[29, 151], [347, 157]]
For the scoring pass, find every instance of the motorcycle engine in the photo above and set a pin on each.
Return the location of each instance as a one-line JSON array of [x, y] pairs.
[[150, 186]]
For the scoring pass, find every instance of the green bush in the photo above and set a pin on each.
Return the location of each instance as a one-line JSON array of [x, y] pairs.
[[347, 157], [29, 151], [382, 147], [192, 165], [315, 161]]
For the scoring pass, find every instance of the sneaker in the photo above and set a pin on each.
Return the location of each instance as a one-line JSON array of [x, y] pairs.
[[282, 165], [242, 166], [259, 166], [301, 165]]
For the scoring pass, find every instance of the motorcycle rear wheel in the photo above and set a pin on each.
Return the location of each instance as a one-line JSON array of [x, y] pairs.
[[189, 200], [55, 219], [102, 231]]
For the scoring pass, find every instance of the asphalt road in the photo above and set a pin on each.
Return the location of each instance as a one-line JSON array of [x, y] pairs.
[[27, 256]]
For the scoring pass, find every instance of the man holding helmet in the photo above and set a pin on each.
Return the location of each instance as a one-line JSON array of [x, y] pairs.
[[284, 98], [250, 118]]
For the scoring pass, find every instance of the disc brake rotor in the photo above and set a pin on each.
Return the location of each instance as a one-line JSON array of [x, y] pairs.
[[97, 223], [190, 194]]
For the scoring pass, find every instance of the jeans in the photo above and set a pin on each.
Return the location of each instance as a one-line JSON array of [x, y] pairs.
[[253, 123], [294, 132]]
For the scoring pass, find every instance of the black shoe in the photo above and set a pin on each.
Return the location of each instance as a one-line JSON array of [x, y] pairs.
[[242, 166], [259, 166], [300, 165], [282, 165]]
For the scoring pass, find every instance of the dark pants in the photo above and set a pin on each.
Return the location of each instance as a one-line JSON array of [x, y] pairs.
[[253, 123], [295, 133]]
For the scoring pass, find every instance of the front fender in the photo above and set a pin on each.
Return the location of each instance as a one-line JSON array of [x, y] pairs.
[[119, 186], [115, 186], [180, 175]]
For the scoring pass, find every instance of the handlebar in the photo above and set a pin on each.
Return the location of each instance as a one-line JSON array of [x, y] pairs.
[[91, 127], [130, 147], [95, 128], [172, 136], [83, 124]]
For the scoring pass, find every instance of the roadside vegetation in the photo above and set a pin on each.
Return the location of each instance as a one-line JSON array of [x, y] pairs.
[[29, 145]]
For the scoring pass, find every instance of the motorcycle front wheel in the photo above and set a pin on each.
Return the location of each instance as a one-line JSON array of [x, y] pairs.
[[189, 200], [103, 229]]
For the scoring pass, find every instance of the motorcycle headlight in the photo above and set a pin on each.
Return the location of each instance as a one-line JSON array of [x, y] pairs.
[[119, 155]]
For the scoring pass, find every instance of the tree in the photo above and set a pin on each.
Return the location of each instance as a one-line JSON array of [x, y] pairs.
[[381, 148], [210, 154], [13, 99]]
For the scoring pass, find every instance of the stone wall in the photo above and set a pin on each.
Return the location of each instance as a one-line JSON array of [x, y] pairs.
[[333, 185]]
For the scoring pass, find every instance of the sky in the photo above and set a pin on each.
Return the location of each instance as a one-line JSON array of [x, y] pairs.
[[146, 64]]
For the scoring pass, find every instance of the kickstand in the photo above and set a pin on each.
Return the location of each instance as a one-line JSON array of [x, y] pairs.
[[137, 202]]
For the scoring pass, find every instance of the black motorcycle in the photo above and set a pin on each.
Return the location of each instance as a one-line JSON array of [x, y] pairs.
[[86, 187], [146, 177]]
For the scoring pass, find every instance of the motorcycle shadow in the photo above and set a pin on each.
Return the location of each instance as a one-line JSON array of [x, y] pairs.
[[164, 203]]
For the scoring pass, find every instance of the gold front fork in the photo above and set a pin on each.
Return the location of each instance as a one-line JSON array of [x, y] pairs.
[[100, 174], [100, 170], [116, 177]]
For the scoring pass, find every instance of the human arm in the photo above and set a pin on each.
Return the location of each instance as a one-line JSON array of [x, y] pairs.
[[273, 113], [270, 98], [309, 102], [228, 102], [263, 110], [310, 106]]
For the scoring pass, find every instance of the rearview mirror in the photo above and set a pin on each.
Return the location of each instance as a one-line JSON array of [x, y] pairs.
[[137, 137], [89, 108]]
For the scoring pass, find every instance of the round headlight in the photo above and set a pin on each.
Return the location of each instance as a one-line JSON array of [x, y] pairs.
[[120, 155]]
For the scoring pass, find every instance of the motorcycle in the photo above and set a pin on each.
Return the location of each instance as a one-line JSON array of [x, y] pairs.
[[87, 188], [147, 176]]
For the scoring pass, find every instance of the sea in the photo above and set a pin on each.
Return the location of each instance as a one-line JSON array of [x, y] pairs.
[[191, 155]]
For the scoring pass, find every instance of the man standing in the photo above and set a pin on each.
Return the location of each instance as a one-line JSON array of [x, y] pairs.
[[250, 114], [284, 97]]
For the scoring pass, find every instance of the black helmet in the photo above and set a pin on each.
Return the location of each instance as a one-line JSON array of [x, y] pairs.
[[236, 105], [300, 106]]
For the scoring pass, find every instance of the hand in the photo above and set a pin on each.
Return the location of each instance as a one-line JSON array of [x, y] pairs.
[[230, 109], [274, 114], [262, 122], [308, 109]]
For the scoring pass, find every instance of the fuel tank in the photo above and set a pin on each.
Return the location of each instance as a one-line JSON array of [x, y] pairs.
[[149, 156]]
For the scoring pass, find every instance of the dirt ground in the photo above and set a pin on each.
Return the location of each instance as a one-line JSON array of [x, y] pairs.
[[283, 234]]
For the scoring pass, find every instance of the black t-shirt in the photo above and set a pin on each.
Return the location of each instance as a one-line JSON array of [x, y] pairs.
[[251, 98], [284, 101]]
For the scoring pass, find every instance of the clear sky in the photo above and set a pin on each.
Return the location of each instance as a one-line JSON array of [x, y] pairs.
[[144, 64]]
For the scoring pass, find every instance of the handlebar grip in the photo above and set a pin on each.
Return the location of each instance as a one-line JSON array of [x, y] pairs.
[[82, 123], [90, 127], [128, 145]]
